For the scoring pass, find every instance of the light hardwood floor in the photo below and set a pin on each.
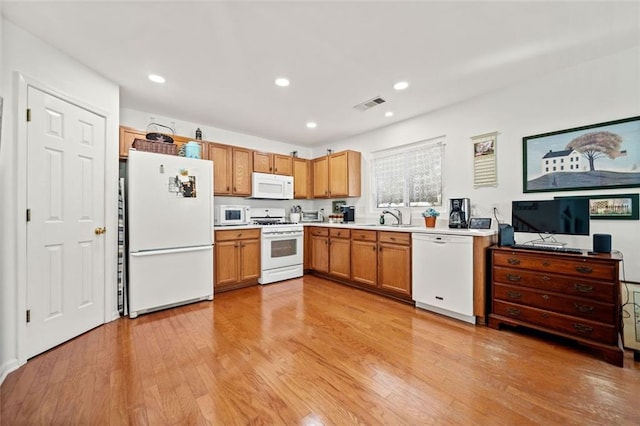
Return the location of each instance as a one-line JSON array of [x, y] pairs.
[[308, 351]]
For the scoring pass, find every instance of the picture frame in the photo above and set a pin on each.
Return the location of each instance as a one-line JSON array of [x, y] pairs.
[[613, 207], [599, 156]]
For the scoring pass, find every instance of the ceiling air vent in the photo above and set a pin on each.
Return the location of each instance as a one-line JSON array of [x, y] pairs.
[[369, 104]]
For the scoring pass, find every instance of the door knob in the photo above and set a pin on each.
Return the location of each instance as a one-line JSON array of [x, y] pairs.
[[100, 231]]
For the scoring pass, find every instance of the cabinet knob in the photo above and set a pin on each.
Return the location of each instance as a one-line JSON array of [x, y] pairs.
[[584, 269], [545, 297], [512, 261], [512, 277], [227, 188], [514, 294]]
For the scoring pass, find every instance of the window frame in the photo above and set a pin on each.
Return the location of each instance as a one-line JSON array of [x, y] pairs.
[[403, 149]]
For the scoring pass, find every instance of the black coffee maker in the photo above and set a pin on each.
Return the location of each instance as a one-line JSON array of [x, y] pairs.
[[348, 213], [459, 212]]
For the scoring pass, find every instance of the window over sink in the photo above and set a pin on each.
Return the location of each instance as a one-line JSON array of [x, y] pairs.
[[409, 175]]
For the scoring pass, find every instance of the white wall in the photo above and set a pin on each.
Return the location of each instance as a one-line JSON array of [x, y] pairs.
[[601, 90], [33, 58]]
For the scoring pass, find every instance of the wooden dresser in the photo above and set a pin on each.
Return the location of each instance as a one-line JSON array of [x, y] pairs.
[[576, 296]]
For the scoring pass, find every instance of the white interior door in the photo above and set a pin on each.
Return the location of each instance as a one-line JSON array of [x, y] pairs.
[[65, 197]]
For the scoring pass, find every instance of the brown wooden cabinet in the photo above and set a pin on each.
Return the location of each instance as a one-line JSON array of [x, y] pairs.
[[375, 260], [337, 175], [127, 136], [301, 178], [576, 296], [265, 162], [364, 257], [237, 258], [221, 155], [241, 169], [232, 169], [340, 253], [319, 243], [394, 262]]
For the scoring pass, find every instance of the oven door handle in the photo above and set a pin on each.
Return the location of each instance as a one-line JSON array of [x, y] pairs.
[[286, 234]]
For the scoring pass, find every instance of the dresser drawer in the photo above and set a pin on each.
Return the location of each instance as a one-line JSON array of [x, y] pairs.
[[574, 306], [578, 265], [578, 327], [602, 291]]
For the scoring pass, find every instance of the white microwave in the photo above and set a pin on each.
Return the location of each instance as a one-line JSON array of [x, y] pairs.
[[273, 187], [226, 215]]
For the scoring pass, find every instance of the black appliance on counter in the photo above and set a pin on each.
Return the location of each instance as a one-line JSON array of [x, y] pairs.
[[348, 214], [459, 212]]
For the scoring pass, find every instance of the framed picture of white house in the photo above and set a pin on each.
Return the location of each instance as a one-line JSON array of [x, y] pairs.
[[598, 156]]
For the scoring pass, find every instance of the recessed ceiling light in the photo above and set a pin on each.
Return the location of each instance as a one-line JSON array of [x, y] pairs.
[[388, 114], [282, 82], [401, 85], [312, 125], [156, 78]]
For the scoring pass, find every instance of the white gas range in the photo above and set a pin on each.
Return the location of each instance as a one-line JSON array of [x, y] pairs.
[[282, 245]]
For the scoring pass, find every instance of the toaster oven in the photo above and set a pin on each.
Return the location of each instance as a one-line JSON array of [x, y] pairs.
[[311, 216]]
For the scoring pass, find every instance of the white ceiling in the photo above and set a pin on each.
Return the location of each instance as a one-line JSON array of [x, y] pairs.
[[220, 58]]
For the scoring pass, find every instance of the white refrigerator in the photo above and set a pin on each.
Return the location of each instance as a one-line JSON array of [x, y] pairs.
[[170, 224]]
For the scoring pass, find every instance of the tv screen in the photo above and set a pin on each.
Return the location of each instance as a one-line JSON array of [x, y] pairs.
[[569, 216]]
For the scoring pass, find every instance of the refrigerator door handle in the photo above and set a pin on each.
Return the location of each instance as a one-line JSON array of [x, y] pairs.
[[170, 251]]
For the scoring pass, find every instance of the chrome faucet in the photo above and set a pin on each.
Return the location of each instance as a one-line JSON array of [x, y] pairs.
[[397, 216]]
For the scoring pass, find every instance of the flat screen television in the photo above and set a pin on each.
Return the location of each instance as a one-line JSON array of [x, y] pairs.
[[568, 216]]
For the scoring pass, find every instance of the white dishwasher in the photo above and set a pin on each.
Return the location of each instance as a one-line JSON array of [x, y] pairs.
[[443, 274]]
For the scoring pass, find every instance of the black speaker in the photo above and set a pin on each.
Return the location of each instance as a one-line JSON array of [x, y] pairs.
[[505, 235], [602, 243]]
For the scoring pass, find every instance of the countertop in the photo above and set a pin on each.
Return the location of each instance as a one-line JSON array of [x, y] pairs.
[[377, 227]]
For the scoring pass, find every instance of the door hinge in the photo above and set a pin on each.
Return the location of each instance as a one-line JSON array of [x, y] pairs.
[[28, 114], [28, 215], [28, 315]]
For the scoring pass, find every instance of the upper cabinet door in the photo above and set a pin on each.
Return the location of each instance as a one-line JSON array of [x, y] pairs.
[[282, 165], [241, 170], [221, 156], [301, 178], [320, 177], [262, 162]]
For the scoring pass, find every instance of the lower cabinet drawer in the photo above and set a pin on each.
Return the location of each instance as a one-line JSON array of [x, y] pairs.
[[584, 308], [558, 322]]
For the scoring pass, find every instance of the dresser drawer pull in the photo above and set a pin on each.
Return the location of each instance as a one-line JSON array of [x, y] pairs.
[[513, 312], [584, 269], [545, 278], [512, 261], [545, 297], [545, 315], [583, 288], [511, 277], [546, 264], [587, 309], [514, 294], [581, 328]]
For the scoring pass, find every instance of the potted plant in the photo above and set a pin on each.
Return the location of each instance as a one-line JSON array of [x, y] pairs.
[[430, 216]]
